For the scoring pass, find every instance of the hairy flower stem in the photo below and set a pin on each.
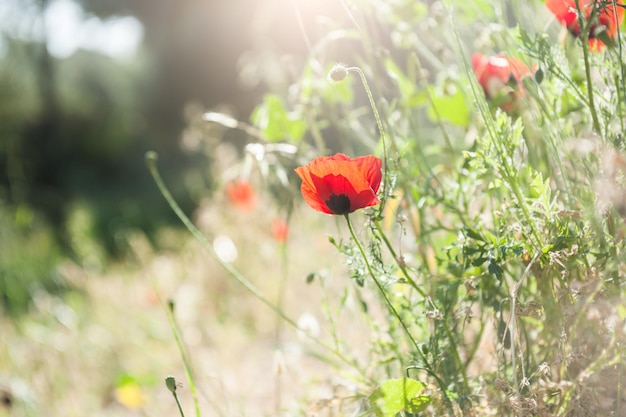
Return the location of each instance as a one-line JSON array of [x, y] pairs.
[[585, 40], [619, 80], [379, 285], [151, 158], [420, 291], [393, 310], [381, 130], [405, 272]]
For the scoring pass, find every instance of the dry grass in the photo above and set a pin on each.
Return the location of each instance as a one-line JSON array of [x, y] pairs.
[[69, 355]]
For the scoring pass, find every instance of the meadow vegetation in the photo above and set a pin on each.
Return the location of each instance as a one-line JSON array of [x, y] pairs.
[[459, 250]]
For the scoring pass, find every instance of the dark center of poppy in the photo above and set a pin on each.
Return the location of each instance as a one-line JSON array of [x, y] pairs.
[[338, 204]]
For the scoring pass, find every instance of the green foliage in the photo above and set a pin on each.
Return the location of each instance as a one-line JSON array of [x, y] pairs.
[[276, 123], [448, 103], [29, 259], [494, 264], [396, 396], [493, 217]]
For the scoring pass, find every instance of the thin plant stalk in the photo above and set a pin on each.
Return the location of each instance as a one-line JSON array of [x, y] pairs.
[[392, 307], [379, 285], [512, 321], [169, 311], [431, 101], [405, 272], [280, 299], [381, 131], [180, 409], [619, 80], [590, 96]]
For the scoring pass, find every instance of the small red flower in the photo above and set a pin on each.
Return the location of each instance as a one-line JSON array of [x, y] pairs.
[[280, 230], [339, 184], [501, 78], [241, 194], [606, 18]]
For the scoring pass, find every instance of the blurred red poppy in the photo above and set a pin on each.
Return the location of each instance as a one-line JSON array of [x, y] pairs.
[[501, 78], [606, 18], [280, 230], [241, 194], [339, 184]]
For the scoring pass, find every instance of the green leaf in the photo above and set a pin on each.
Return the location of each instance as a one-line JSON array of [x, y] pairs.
[[495, 269], [397, 395], [541, 190], [473, 233]]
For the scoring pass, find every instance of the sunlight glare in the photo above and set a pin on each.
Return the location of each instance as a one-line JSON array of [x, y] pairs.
[[68, 29]]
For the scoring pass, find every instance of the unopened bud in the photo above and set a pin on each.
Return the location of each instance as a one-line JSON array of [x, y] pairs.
[[170, 383], [338, 73]]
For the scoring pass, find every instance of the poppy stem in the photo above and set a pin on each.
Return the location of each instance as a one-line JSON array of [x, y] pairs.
[[420, 291], [379, 285], [381, 289], [405, 272], [585, 24], [381, 130], [393, 310]]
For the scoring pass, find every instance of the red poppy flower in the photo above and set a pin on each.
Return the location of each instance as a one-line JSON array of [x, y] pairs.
[[606, 18], [339, 184], [501, 78], [280, 230], [241, 194]]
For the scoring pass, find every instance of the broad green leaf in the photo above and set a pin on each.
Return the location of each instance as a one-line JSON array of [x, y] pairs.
[[397, 395]]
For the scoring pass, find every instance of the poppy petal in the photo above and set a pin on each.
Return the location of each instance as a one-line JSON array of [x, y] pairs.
[[309, 192], [371, 167], [601, 32]]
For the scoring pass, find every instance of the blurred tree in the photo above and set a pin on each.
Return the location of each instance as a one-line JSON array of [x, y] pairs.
[[79, 126]]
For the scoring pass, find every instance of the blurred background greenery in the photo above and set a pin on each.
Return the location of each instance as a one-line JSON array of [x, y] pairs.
[[88, 86]]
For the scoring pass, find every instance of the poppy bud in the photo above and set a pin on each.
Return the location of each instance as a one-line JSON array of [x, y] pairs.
[[170, 383], [501, 78], [338, 73]]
